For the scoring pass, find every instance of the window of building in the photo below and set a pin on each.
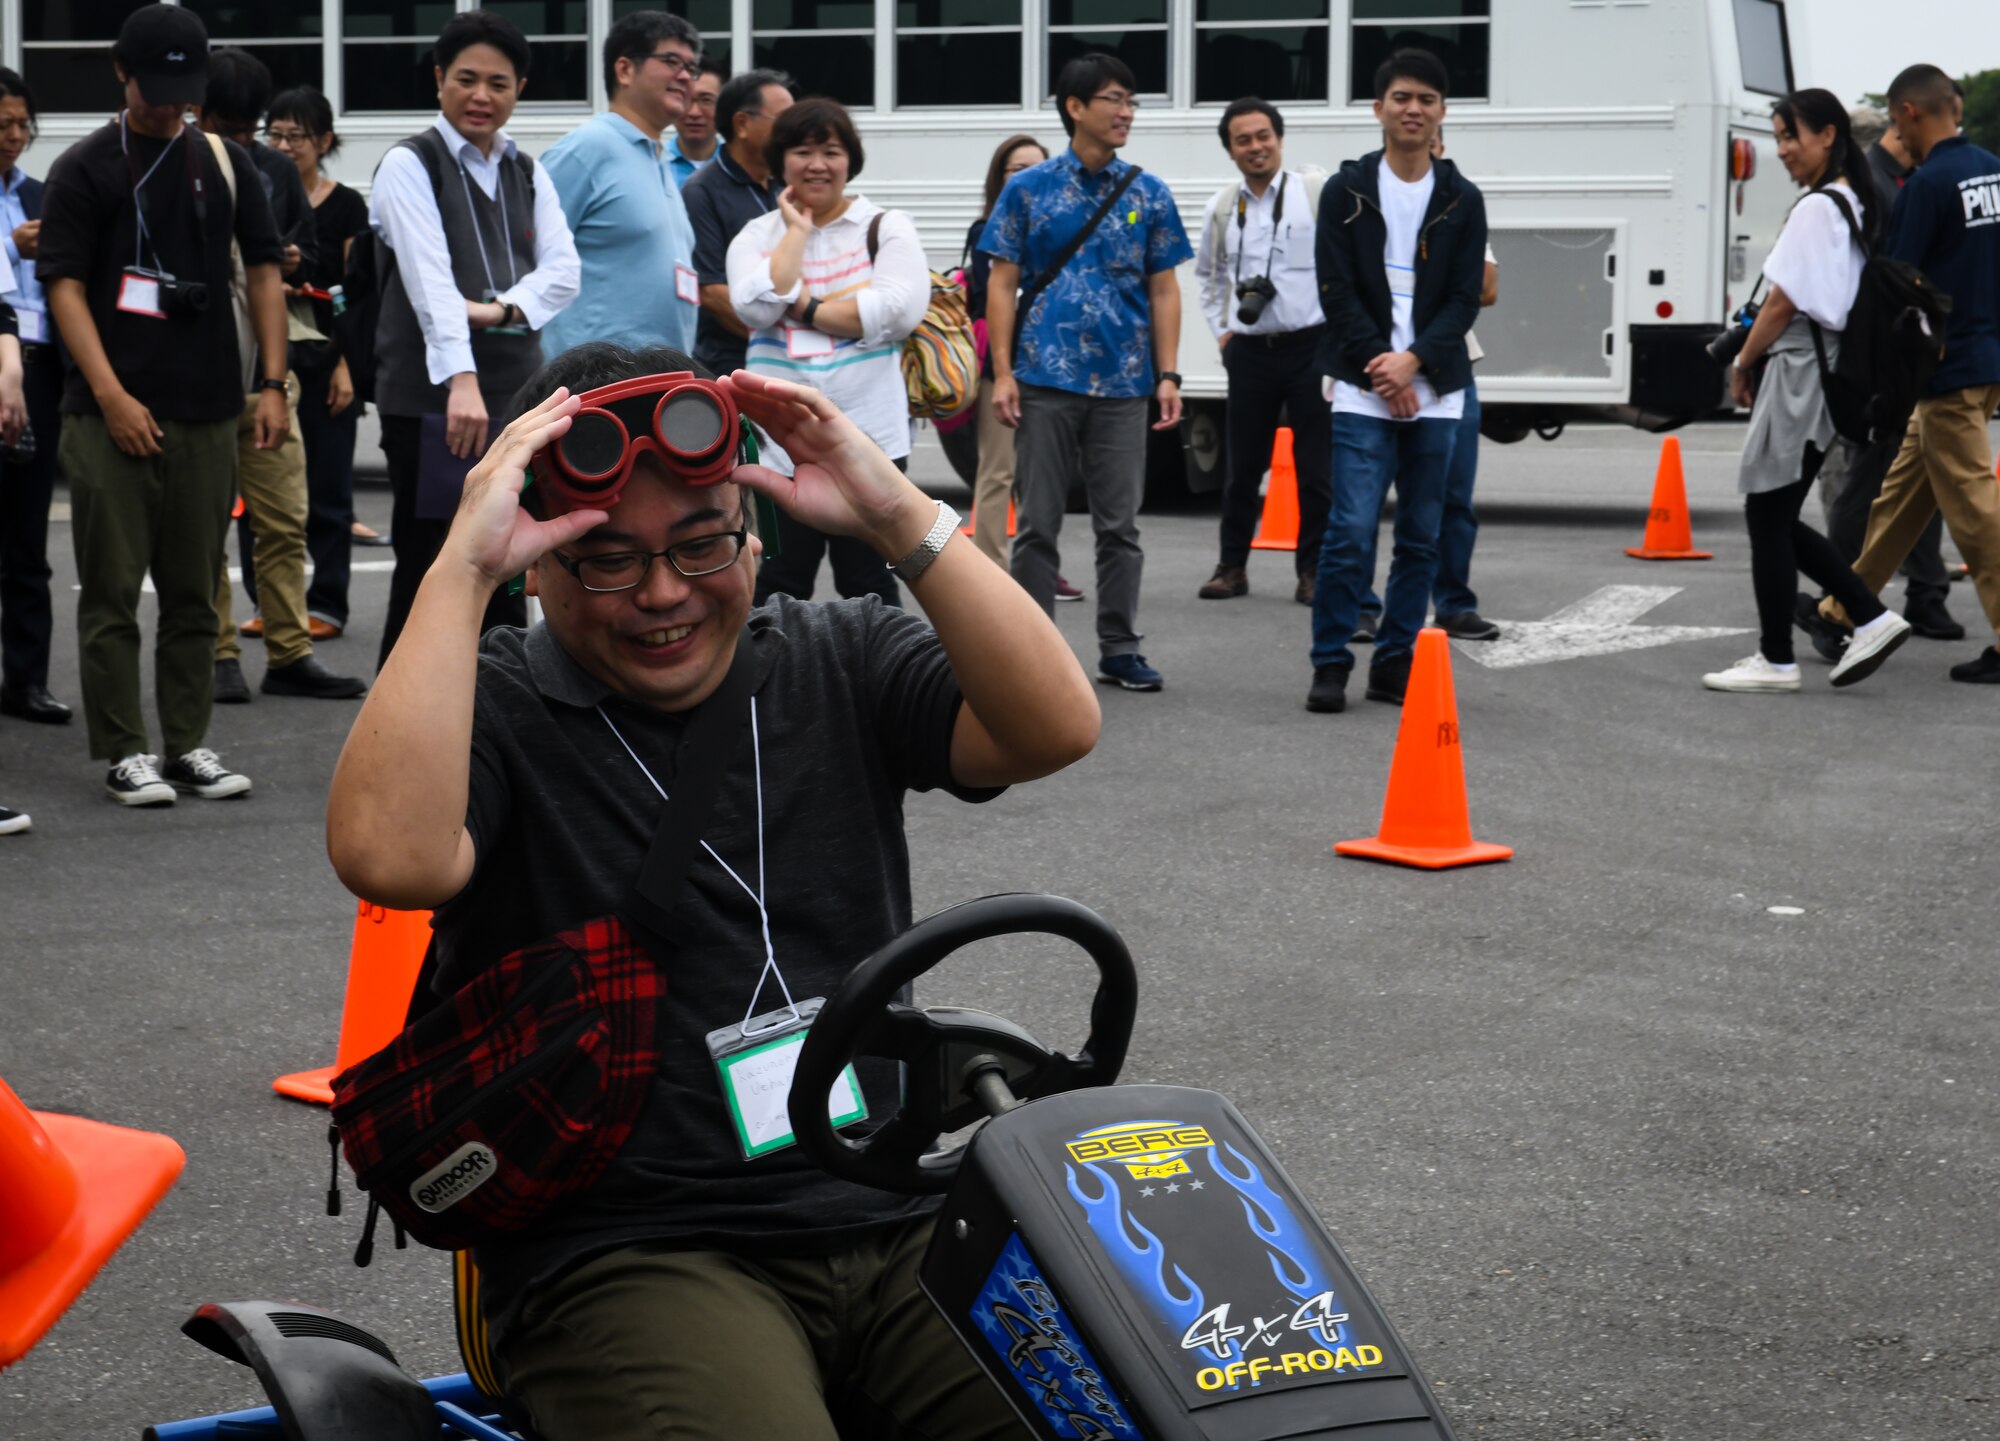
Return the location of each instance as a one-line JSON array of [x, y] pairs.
[[1761, 46], [1273, 48], [66, 52], [385, 48], [1458, 32], [958, 52], [287, 39], [558, 33], [827, 46], [710, 17], [1133, 30]]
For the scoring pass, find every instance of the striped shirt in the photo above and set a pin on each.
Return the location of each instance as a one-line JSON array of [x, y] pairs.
[[864, 376]]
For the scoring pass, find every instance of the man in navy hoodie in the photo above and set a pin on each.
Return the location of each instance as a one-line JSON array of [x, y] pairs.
[[1401, 253], [1946, 224]]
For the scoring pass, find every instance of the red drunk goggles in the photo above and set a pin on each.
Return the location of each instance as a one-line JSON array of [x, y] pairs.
[[691, 424]]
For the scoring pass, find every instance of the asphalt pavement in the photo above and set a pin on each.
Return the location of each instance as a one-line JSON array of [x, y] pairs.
[[1677, 1127]]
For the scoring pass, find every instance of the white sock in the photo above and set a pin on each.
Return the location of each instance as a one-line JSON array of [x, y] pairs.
[[1791, 669]]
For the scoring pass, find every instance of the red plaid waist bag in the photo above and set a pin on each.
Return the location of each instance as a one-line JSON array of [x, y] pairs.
[[509, 1097]]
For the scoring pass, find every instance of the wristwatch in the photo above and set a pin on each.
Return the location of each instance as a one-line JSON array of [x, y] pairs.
[[269, 384], [812, 307], [1173, 375], [919, 560]]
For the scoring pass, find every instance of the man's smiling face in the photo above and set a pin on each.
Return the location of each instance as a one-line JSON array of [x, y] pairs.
[[668, 641]]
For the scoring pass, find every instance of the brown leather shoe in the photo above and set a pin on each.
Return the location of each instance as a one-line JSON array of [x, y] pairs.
[[322, 629], [1304, 594], [1228, 582], [252, 629]]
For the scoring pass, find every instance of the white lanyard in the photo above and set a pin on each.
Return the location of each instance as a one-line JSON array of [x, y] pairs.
[[140, 235], [763, 915], [513, 273]]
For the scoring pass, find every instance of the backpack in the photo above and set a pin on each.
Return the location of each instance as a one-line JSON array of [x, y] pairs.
[[1894, 339], [371, 270], [941, 356]]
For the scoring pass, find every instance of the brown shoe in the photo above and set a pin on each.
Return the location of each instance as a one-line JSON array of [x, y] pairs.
[[252, 629], [1304, 594], [1228, 582], [322, 629]]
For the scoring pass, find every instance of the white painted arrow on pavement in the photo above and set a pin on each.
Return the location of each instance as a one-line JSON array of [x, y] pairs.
[[1602, 623]]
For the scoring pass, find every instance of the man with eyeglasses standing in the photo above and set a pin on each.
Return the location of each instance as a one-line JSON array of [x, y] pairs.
[[1078, 353], [693, 143], [476, 257], [727, 195], [624, 206]]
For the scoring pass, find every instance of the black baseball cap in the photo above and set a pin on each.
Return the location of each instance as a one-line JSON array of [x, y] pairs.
[[165, 48]]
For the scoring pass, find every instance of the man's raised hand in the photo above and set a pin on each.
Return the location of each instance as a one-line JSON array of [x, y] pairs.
[[491, 534]]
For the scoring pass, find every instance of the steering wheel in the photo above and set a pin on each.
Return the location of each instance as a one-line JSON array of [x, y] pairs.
[[959, 1064]]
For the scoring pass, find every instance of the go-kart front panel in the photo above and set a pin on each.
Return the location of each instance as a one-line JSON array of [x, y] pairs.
[[1131, 1262]]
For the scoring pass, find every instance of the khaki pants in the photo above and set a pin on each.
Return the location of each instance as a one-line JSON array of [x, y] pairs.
[[273, 486], [164, 514], [1946, 464], [993, 483], [645, 1344]]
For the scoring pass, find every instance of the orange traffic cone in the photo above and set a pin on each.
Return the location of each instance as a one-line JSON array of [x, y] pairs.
[[1424, 820], [1279, 528], [1668, 536], [71, 1191], [382, 971], [967, 528]]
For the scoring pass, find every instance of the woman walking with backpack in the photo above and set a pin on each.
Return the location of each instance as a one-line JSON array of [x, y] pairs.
[[1813, 272]]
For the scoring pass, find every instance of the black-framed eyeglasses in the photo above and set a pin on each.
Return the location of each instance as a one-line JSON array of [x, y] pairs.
[[623, 569], [276, 136], [1118, 99], [689, 65]]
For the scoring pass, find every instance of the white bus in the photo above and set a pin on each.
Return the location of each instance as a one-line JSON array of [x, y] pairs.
[[1624, 146]]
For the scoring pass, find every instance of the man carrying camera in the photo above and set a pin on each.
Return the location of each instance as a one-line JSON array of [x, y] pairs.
[[135, 243], [1260, 297]]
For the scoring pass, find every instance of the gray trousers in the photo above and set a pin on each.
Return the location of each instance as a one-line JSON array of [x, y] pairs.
[[1063, 438]]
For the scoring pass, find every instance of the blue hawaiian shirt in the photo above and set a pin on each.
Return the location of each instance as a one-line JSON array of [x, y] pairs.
[[1090, 331]]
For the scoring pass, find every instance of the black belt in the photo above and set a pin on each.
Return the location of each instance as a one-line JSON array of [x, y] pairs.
[[1278, 339]]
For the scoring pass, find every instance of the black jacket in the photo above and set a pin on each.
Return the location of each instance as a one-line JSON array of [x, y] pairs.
[[1354, 287]]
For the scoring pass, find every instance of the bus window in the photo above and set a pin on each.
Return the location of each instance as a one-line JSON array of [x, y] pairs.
[[1760, 44]]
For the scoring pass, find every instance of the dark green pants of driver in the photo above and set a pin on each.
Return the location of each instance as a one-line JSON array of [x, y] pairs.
[[646, 1344]]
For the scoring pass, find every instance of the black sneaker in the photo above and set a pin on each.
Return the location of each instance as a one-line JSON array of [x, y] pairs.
[[1365, 626], [1982, 669], [136, 781], [1929, 619], [230, 687], [1468, 625], [1329, 689], [308, 677], [201, 773], [1388, 679], [12, 823], [1828, 639]]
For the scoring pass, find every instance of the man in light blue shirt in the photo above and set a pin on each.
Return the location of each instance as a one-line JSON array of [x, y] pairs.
[[624, 207], [694, 143]]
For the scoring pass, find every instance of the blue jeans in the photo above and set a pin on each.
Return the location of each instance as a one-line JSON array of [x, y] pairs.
[[1451, 592], [1369, 456]]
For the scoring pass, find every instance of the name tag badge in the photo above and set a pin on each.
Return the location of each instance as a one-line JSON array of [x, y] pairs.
[[806, 343], [139, 294], [34, 325], [686, 285], [755, 1062]]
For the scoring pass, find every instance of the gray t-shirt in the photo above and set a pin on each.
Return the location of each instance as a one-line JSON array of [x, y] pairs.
[[855, 703]]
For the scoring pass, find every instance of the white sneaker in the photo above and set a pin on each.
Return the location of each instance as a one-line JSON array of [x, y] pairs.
[[1753, 675], [201, 773], [136, 781], [1870, 645], [14, 822]]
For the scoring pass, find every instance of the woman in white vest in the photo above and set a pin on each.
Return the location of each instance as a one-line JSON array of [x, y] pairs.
[[829, 286]]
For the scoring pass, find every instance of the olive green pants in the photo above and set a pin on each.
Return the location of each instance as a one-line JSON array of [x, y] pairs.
[[647, 1344], [131, 515]]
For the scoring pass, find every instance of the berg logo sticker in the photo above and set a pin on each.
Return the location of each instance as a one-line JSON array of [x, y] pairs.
[[1146, 1149], [455, 1177]]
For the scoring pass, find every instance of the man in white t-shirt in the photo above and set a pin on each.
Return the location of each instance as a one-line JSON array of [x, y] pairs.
[[1400, 257]]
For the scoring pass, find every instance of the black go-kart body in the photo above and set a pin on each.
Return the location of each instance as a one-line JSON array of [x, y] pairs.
[[1127, 1263]]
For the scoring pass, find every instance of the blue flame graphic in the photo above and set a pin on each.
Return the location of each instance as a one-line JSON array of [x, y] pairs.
[[1294, 1261], [1144, 1267]]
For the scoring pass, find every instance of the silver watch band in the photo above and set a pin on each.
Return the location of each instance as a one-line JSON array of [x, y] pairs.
[[919, 560]]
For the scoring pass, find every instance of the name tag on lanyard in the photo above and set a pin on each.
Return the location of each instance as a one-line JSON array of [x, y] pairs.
[[756, 1060]]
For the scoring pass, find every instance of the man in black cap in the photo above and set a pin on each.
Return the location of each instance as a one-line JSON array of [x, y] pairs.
[[135, 256]]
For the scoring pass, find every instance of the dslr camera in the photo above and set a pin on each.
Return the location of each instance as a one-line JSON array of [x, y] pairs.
[[1252, 296], [183, 299], [1723, 349]]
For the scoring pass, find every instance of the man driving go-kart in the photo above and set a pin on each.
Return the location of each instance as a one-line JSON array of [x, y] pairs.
[[711, 1281]]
